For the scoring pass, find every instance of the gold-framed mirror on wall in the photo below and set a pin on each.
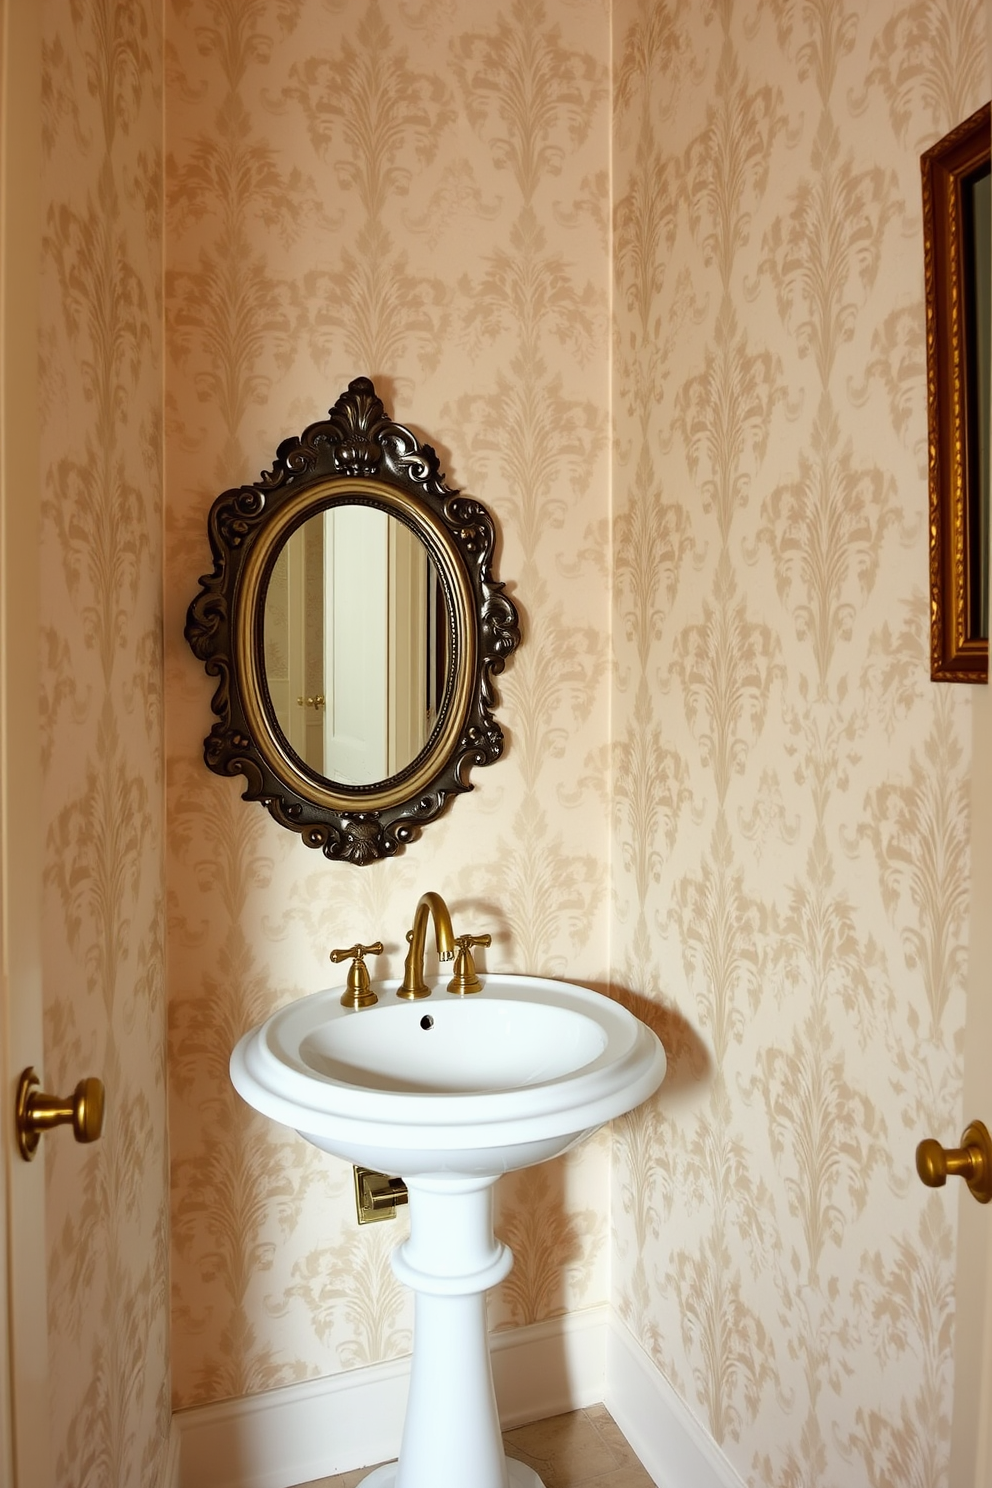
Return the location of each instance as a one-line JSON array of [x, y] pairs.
[[355, 625], [956, 242]]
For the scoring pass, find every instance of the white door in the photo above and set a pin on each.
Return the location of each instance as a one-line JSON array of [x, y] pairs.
[[971, 1443], [376, 645], [408, 701], [296, 618], [356, 644], [293, 639], [24, 1455], [971, 1430]]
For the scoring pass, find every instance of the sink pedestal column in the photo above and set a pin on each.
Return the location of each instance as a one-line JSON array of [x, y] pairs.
[[451, 1436]]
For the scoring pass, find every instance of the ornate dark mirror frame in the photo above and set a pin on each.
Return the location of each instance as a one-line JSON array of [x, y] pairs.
[[356, 456], [959, 646]]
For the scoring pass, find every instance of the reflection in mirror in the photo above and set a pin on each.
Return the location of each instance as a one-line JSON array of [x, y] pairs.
[[355, 644]]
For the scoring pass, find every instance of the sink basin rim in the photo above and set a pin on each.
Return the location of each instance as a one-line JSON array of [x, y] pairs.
[[327, 1111]]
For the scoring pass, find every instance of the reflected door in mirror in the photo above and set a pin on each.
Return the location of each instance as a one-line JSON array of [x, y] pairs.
[[354, 644]]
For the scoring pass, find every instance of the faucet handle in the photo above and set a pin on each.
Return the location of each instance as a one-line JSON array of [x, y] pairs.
[[466, 978], [358, 989]]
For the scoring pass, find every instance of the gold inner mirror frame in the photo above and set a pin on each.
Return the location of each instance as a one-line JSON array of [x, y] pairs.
[[249, 619], [356, 457], [358, 703]]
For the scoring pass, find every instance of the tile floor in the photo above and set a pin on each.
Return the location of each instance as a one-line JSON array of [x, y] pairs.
[[583, 1449]]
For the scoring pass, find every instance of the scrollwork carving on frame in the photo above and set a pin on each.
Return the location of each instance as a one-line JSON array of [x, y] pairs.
[[357, 460]]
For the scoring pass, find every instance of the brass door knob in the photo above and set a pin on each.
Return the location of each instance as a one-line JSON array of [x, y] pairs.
[[36, 1112], [972, 1161]]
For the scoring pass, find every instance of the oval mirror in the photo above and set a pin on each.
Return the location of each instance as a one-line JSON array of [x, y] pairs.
[[355, 625], [355, 646]]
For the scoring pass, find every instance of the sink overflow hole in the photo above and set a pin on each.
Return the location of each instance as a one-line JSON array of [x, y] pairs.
[[427, 1021]]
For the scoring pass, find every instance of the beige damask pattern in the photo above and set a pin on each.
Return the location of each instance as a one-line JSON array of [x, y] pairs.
[[749, 812], [101, 712], [417, 193], [790, 809]]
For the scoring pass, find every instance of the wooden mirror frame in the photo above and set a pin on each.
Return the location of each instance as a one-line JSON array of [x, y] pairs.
[[958, 653], [357, 456]]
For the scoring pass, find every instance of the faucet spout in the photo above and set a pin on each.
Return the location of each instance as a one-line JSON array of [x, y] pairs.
[[429, 904]]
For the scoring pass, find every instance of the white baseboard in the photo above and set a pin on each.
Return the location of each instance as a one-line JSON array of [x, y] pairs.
[[550, 1367], [676, 1450], [172, 1474], [351, 1420], [298, 1433]]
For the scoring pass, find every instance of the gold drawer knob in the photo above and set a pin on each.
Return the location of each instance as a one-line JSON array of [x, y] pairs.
[[972, 1161], [37, 1112]]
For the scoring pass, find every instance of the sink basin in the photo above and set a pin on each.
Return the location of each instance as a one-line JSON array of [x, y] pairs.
[[449, 1092], [509, 1076]]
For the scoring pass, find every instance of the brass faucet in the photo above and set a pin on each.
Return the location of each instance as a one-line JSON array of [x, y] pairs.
[[413, 984]]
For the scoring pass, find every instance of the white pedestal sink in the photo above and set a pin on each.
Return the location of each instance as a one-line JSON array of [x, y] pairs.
[[449, 1093]]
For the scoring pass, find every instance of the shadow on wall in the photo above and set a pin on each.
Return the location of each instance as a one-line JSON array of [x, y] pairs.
[[557, 1236], [689, 1062], [553, 1240]]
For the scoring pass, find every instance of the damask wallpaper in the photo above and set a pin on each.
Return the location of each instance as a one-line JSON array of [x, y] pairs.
[[790, 828], [102, 734], [771, 825], [730, 794], [417, 193]]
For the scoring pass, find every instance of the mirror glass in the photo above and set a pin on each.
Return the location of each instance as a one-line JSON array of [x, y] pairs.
[[355, 644]]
